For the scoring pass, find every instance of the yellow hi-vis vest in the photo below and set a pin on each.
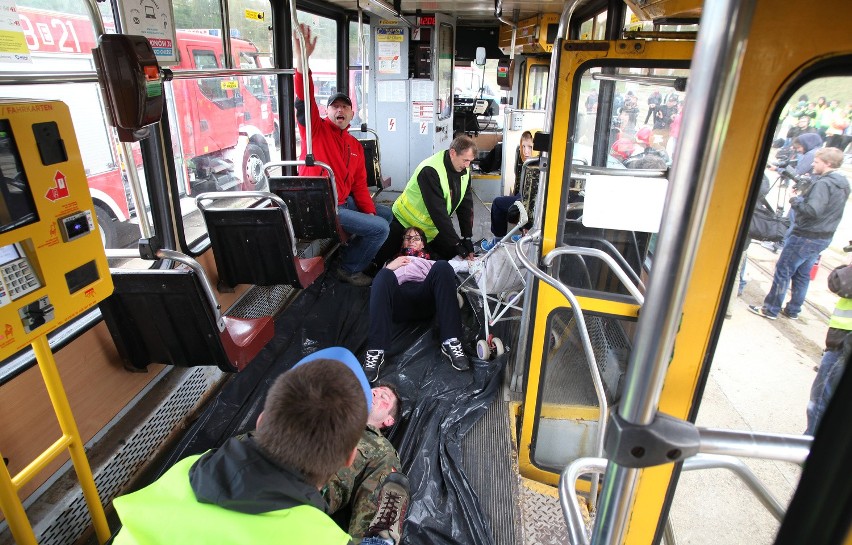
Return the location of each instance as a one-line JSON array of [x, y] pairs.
[[841, 318], [166, 512], [410, 209]]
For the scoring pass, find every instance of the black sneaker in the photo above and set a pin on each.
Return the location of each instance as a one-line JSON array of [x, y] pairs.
[[356, 278], [454, 352], [788, 315], [761, 312], [373, 361], [393, 503]]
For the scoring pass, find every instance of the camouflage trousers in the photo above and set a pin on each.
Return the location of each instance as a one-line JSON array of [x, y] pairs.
[[358, 484]]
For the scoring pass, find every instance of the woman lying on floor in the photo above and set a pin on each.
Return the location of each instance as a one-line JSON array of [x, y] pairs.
[[412, 287]]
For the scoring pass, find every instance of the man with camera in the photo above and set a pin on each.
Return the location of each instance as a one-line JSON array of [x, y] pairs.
[[818, 212]]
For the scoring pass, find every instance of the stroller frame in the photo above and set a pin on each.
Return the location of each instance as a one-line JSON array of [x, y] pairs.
[[479, 281]]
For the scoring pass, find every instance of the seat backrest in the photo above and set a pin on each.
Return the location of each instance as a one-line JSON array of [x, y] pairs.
[[371, 160], [163, 316], [252, 246], [311, 203]]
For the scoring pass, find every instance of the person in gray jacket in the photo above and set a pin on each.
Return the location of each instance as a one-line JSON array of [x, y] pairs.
[[818, 213]]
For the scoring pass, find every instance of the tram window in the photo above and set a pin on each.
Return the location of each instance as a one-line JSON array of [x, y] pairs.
[[762, 371], [445, 71], [356, 86], [640, 133], [594, 28], [60, 39], [536, 89], [223, 129], [323, 61]]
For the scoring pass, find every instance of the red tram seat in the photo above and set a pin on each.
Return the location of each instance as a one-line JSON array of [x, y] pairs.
[[257, 244], [167, 316]]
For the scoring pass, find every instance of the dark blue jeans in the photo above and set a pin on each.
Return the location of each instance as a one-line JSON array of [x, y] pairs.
[[500, 214], [830, 370], [794, 265], [392, 303], [367, 234]]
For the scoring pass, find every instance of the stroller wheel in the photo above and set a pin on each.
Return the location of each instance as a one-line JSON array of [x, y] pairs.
[[461, 299], [483, 351], [499, 349]]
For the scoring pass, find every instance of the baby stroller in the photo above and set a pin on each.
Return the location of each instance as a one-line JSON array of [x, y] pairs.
[[496, 279]]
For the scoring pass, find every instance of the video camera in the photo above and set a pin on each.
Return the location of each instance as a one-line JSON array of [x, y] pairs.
[[785, 157], [800, 183]]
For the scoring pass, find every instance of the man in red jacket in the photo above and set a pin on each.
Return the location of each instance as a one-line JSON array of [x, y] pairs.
[[366, 223]]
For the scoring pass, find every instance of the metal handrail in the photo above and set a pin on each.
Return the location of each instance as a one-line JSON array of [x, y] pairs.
[[635, 172], [741, 470], [581, 466], [55, 78], [297, 163], [550, 107], [603, 256], [306, 84], [715, 71], [609, 246], [189, 262], [260, 196], [597, 381]]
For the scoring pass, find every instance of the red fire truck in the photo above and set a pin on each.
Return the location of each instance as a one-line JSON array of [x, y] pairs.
[[222, 128]]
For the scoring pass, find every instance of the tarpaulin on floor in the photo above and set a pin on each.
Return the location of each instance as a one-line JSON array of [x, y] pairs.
[[440, 404]]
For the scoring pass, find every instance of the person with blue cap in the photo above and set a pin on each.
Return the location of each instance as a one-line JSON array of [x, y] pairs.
[[312, 420]]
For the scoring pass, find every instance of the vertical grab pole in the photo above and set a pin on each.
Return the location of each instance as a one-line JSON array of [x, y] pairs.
[[306, 85], [714, 74], [59, 399], [10, 504]]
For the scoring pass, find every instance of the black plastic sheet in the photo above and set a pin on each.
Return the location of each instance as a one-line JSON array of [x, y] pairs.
[[440, 404]]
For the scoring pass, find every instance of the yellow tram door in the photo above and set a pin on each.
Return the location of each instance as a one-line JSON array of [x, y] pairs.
[[571, 371], [561, 417]]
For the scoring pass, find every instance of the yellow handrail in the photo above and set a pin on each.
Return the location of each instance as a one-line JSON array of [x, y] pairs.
[[10, 503]]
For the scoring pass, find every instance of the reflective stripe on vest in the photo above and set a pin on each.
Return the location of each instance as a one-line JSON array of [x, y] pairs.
[[410, 209], [166, 512], [842, 316]]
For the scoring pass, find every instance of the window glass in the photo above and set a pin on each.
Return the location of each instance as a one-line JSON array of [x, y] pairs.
[[775, 376], [536, 90], [480, 82], [445, 70], [323, 61], [357, 87], [60, 38], [600, 27], [641, 134], [224, 129]]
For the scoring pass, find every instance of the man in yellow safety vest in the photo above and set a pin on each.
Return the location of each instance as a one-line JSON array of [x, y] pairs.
[[438, 188], [837, 349]]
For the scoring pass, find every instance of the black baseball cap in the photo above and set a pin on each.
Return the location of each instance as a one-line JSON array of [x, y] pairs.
[[338, 96]]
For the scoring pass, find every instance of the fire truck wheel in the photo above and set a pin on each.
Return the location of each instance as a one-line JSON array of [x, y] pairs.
[[107, 226], [253, 160]]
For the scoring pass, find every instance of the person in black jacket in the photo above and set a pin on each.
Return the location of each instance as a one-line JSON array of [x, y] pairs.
[[818, 213], [438, 188]]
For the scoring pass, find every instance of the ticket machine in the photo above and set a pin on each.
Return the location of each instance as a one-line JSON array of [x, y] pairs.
[[52, 262], [52, 269]]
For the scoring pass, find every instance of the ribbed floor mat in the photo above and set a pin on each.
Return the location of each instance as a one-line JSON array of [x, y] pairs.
[[492, 472]]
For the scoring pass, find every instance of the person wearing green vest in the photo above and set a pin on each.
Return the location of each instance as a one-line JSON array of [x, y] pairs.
[[838, 346], [438, 188], [263, 487]]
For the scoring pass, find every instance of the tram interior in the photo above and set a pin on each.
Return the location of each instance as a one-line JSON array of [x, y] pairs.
[[481, 446]]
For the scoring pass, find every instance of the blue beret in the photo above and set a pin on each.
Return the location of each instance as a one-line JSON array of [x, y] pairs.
[[347, 358]]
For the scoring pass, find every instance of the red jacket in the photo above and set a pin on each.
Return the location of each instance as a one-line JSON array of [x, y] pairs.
[[339, 150]]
